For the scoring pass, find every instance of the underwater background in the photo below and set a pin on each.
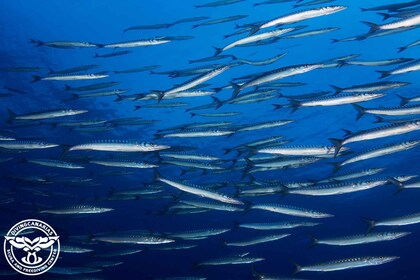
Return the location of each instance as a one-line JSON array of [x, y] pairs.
[[104, 22]]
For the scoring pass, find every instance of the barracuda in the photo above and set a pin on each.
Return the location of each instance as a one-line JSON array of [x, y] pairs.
[[371, 87], [124, 163], [352, 175], [137, 43], [26, 145], [376, 133], [257, 240], [70, 77], [119, 146], [44, 115], [291, 211], [302, 15], [360, 239], [396, 221], [255, 38], [77, 210], [198, 190], [346, 264], [279, 225], [380, 151], [133, 239], [55, 163]]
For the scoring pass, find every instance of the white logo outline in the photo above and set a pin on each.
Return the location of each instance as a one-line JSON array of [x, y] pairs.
[[31, 264]]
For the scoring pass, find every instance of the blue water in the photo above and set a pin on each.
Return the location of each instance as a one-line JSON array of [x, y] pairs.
[[104, 22]]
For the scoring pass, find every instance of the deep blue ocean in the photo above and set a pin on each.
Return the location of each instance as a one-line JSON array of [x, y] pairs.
[[26, 189]]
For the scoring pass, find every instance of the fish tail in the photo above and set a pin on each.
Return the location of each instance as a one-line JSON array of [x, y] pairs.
[[193, 115], [100, 45], [11, 116], [404, 100], [227, 151], [254, 29], [371, 223], [36, 42], [336, 165], [195, 26], [137, 107], [119, 98], [298, 268], [36, 78], [156, 175], [360, 111], [314, 240], [338, 144], [294, 105], [347, 132], [337, 89], [399, 184], [157, 136], [277, 106], [402, 49], [373, 27], [217, 102], [379, 119], [236, 89], [67, 87], [384, 74], [335, 41], [217, 51]]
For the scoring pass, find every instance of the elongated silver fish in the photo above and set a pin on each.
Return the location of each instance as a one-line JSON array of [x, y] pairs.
[[381, 151], [405, 68], [119, 146], [70, 77], [26, 145], [278, 225], [64, 44], [393, 111], [212, 205], [376, 133], [311, 32], [299, 150], [124, 163], [302, 15], [198, 190], [346, 264], [55, 163], [44, 115], [196, 133], [257, 240], [351, 175], [372, 87], [198, 234], [291, 210], [384, 62], [396, 221], [405, 22], [137, 43], [276, 74], [74, 249], [255, 38], [76, 210], [359, 239], [231, 260], [132, 239]]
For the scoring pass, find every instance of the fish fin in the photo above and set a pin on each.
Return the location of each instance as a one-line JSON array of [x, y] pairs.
[[157, 136], [379, 119], [101, 45], [254, 29], [67, 87], [402, 49], [236, 90], [337, 89], [277, 106], [36, 78], [338, 144], [248, 205], [294, 105], [373, 27], [217, 102], [370, 222], [384, 15], [384, 74], [347, 132], [314, 240], [11, 116], [335, 41], [195, 26], [252, 151], [404, 100], [227, 151], [298, 268], [137, 107], [360, 111], [193, 115], [217, 51]]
